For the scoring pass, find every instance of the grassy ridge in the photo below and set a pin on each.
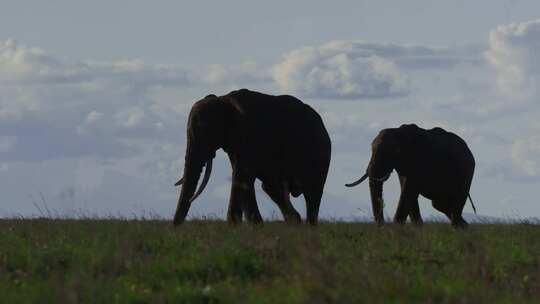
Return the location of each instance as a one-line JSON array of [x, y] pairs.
[[114, 261]]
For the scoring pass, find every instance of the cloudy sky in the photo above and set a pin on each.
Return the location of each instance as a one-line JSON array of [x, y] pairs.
[[94, 95]]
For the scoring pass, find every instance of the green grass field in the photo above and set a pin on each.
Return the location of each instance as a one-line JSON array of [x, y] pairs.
[[116, 261]]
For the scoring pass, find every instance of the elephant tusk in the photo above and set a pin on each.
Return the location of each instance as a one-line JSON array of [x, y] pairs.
[[178, 183], [363, 178], [207, 172]]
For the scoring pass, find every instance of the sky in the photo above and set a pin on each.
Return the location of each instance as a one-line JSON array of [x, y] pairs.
[[94, 95]]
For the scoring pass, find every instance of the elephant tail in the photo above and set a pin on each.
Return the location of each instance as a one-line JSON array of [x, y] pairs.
[[472, 204]]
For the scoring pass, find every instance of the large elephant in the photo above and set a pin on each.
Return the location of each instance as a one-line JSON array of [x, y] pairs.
[[434, 163], [278, 139]]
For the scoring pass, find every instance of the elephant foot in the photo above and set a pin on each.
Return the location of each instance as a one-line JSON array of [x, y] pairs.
[[418, 224], [234, 220], [293, 218], [400, 221], [256, 223], [460, 223], [312, 221], [255, 220], [177, 223], [178, 220], [234, 215]]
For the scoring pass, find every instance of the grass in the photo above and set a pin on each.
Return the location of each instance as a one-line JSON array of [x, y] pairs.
[[123, 261]]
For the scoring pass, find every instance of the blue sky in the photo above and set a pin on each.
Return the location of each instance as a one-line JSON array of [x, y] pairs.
[[94, 95]]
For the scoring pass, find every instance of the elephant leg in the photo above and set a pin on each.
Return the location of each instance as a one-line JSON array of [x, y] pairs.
[[250, 208], [457, 219], [313, 201], [452, 212], [279, 194], [414, 213], [405, 205], [408, 203], [242, 198], [234, 213]]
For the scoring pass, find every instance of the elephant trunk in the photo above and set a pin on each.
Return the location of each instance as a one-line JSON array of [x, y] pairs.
[[192, 172], [377, 203]]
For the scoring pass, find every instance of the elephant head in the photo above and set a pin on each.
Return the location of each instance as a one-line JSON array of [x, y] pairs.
[[206, 133], [388, 151]]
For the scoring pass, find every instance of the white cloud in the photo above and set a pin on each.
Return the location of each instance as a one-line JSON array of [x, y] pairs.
[[130, 118], [94, 116], [510, 158], [358, 69], [18, 63], [58, 108], [127, 118], [513, 52], [7, 143], [525, 155], [335, 74], [33, 66], [238, 75]]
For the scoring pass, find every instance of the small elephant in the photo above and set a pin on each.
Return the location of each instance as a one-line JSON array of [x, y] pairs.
[[278, 139], [434, 163]]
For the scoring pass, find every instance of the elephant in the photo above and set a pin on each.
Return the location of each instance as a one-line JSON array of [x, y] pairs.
[[433, 163], [279, 140]]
